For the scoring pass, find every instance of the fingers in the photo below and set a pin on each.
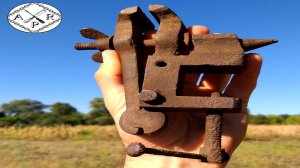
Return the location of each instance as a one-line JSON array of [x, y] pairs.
[[191, 79], [209, 82], [242, 85], [215, 82], [109, 78], [198, 29]]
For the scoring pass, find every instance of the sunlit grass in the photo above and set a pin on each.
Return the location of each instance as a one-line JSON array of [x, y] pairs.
[[258, 132], [60, 133], [261, 132], [279, 153], [101, 147], [61, 154]]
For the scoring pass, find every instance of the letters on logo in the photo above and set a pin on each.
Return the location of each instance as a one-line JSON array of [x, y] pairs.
[[34, 17]]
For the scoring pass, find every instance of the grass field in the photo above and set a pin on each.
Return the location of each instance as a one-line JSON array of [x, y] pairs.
[[267, 154], [100, 147]]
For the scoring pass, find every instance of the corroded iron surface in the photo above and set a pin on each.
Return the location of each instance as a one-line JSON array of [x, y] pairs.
[[154, 71], [138, 149]]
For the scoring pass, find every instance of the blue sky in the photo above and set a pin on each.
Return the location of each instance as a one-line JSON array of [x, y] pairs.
[[45, 66]]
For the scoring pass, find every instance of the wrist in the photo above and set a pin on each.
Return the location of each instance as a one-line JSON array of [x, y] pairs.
[[157, 161]]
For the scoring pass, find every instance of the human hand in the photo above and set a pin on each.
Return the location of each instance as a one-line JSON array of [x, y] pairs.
[[184, 131]]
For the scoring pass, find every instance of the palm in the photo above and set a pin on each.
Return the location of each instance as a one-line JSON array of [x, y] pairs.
[[184, 131]]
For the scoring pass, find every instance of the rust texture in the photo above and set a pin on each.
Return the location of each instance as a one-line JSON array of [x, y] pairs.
[[154, 71], [137, 149], [213, 133]]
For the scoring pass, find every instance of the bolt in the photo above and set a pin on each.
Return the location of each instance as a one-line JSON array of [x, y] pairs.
[[85, 46], [213, 133], [247, 44], [212, 138], [97, 57], [137, 149], [94, 46], [147, 95], [92, 33]]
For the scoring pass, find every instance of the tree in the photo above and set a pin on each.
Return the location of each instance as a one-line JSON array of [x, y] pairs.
[[8, 121], [53, 119], [98, 104], [73, 119], [284, 116], [49, 119], [29, 118], [62, 113], [293, 120], [258, 119], [17, 107], [274, 119], [62, 109], [99, 113]]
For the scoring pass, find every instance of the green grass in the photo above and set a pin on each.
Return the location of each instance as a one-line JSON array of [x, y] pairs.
[[109, 154], [276, 153], [60, 154]]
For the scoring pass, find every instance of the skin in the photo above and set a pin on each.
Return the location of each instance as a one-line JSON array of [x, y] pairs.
[[185, 131]]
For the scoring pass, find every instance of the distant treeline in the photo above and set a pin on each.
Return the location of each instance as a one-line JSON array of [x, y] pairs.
[[275, 119], [31, 112]]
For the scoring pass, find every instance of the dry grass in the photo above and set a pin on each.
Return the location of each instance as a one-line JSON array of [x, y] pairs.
[[101, 147], [61, 154], [266, 132], [256, 132], [61, 147], [278, 153], [60, 133]]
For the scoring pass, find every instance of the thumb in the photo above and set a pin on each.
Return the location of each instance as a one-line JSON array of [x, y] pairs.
[[110, 81]]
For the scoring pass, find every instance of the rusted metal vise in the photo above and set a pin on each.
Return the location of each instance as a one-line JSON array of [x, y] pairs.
[[156, 88]]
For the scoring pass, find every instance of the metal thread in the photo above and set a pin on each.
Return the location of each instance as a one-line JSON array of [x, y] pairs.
[[85, 46], [213, 134]]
